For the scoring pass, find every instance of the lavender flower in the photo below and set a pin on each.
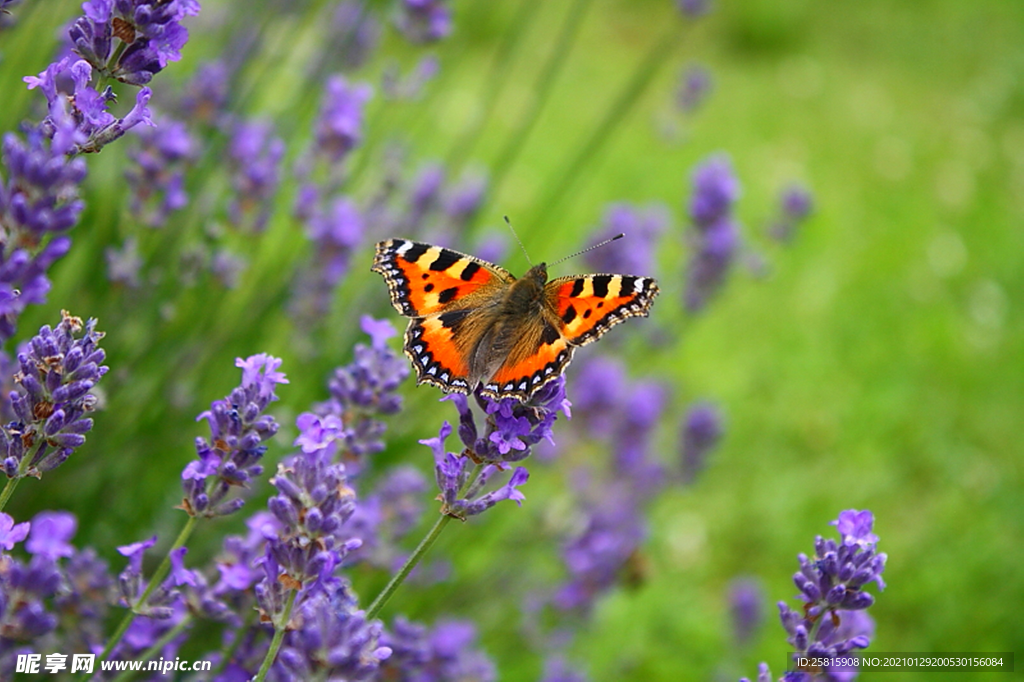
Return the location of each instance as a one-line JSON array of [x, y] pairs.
[[38, 203], [51, 532], [339, 126], [93, 126], [694, 87], [358, 33], [336, 233], [312, 505], [642, 227], [796, 203], [206, 94], [158, 178], [255, 155], [424, 21], [746, 608], [333, 641], [463, 201], [448, 652], [346, 425], [238, 427], [12, 533], [124, 264], [461, 496], [56, 375], [715, 236], [394, 86], [701, 431], [832, 621], [595, 558], [131, 40], [512, 427]]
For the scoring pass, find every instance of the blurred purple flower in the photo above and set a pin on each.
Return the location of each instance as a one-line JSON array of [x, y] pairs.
[[746, 608], [701, 431], [206, 94], [694, 87], [448, 652], [694, 8], [796, 204], [51, 532], [158, 176], [424, 21], [255, 155], [635, 255], [394, 86], [339, 125], [715, 237], [357, 31]]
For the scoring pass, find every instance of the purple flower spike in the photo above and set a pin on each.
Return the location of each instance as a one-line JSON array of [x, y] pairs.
[[715, 190], [238, 428], [12, 533], [347, 424], [460, 496], [831, 589], [424, 21], [58, 370], [447, 653]]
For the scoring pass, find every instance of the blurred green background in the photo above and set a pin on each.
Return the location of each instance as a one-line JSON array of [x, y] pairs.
[[877, 365]]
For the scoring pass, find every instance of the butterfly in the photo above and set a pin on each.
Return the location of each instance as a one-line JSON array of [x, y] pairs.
[[474, 324]]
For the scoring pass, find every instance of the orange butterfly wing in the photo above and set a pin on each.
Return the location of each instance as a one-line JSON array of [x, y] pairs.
[[590, 305], [448, 294], [577, 310]]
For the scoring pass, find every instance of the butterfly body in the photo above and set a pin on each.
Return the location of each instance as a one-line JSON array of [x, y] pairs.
[[473, 323]]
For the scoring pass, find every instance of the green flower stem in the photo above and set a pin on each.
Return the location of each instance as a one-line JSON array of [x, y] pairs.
[[23, 467], [407, 567], [154, 582], [417, 554], [620, 108], [152, 651], [542, 91], [280, 627]]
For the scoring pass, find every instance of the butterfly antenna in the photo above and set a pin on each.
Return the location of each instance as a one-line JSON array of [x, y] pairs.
[[509, 223], [589, 248]]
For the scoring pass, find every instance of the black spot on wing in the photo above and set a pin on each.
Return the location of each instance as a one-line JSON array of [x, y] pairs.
[[429, 287], [570, 315], [586, 313], [469, 271], [453, 319], [577, 287], [447, 295], [414, 252], [601, 285], [627, 285], [445, 260], [549, 335]]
